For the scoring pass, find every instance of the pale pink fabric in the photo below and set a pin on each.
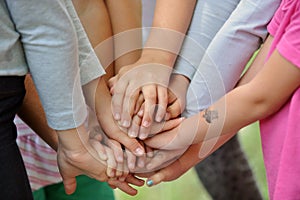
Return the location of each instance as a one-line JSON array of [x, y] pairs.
[[280, 133], [39, 158]]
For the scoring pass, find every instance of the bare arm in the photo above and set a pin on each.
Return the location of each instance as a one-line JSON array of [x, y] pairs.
[[170, 23], [126, 22], [264, 95], [257, 64], [261, 97]]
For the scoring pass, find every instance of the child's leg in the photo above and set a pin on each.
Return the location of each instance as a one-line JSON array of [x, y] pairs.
[[14, 182]]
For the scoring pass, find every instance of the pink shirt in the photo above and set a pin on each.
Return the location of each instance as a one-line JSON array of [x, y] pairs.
[[280, 133]]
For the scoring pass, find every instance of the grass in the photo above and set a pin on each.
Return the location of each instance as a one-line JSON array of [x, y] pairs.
[[189, 187]]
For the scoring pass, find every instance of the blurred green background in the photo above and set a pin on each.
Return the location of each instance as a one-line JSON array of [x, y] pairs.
[[189, 186]]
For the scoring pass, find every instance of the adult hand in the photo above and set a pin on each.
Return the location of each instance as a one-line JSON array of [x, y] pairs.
[[76, 156], [104, 115]]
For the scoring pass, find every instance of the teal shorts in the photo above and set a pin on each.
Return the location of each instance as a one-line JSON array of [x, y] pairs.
[[87, 189]]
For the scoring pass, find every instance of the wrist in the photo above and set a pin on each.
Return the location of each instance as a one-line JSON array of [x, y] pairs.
[[159, 56], [73, 139]]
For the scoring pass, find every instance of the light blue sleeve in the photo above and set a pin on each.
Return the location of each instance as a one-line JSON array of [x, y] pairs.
[[89, 63], [226, 56], [208, 18], [50, 45]]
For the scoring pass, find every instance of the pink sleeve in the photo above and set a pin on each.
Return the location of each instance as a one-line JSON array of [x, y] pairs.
[[289, 45], [274, 23]]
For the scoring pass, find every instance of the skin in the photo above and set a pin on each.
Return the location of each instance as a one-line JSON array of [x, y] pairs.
[[74, 147], [171, 19], [279, 79]]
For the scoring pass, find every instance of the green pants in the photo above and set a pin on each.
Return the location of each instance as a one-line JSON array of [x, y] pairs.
[[87, 189]]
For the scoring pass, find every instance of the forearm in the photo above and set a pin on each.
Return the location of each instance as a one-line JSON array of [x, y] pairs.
[[170, 23], [263, 96], [87, 16], [126, 20], [32, 113], [50, 45], [103, 111], [258, 62]]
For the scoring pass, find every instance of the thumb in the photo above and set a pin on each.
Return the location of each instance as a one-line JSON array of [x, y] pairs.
[[69, 185], [168, 173], [175, 109]]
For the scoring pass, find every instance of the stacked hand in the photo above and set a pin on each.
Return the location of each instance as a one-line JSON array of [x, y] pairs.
[[141, 124], [143, 109]]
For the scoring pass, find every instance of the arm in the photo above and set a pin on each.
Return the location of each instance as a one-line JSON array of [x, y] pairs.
[[126, 17], [154, 66], [238, 113], [51, 52], [170, 23], [257, 63], [32, 113], [273, 85]]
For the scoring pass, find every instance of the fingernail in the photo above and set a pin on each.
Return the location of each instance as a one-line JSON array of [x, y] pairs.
[[120, 159], [167, 117], [126, 124], [141, 164], [131, 166], [142, 136], [117, 116], [103, 156], [158, 118], [122, 179], [149, 183], [132, 134], [146, 123], [139, 151], [140, 113], [111, 173], [149, 166]]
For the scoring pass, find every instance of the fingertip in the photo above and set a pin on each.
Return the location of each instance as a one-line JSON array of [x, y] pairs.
[[117, 116], [159, 117], [140, 113], [149, 182], [139, 151], [125, 123], [132, 134], [154, 180], [70, 186], [103, 156], [146, 123], [120, 159]]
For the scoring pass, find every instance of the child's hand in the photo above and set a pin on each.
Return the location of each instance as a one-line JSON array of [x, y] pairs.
[[125, 185], [136, 130], [163, 158], [193, 155], [149, 78], [179, 137], [177, 95]]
